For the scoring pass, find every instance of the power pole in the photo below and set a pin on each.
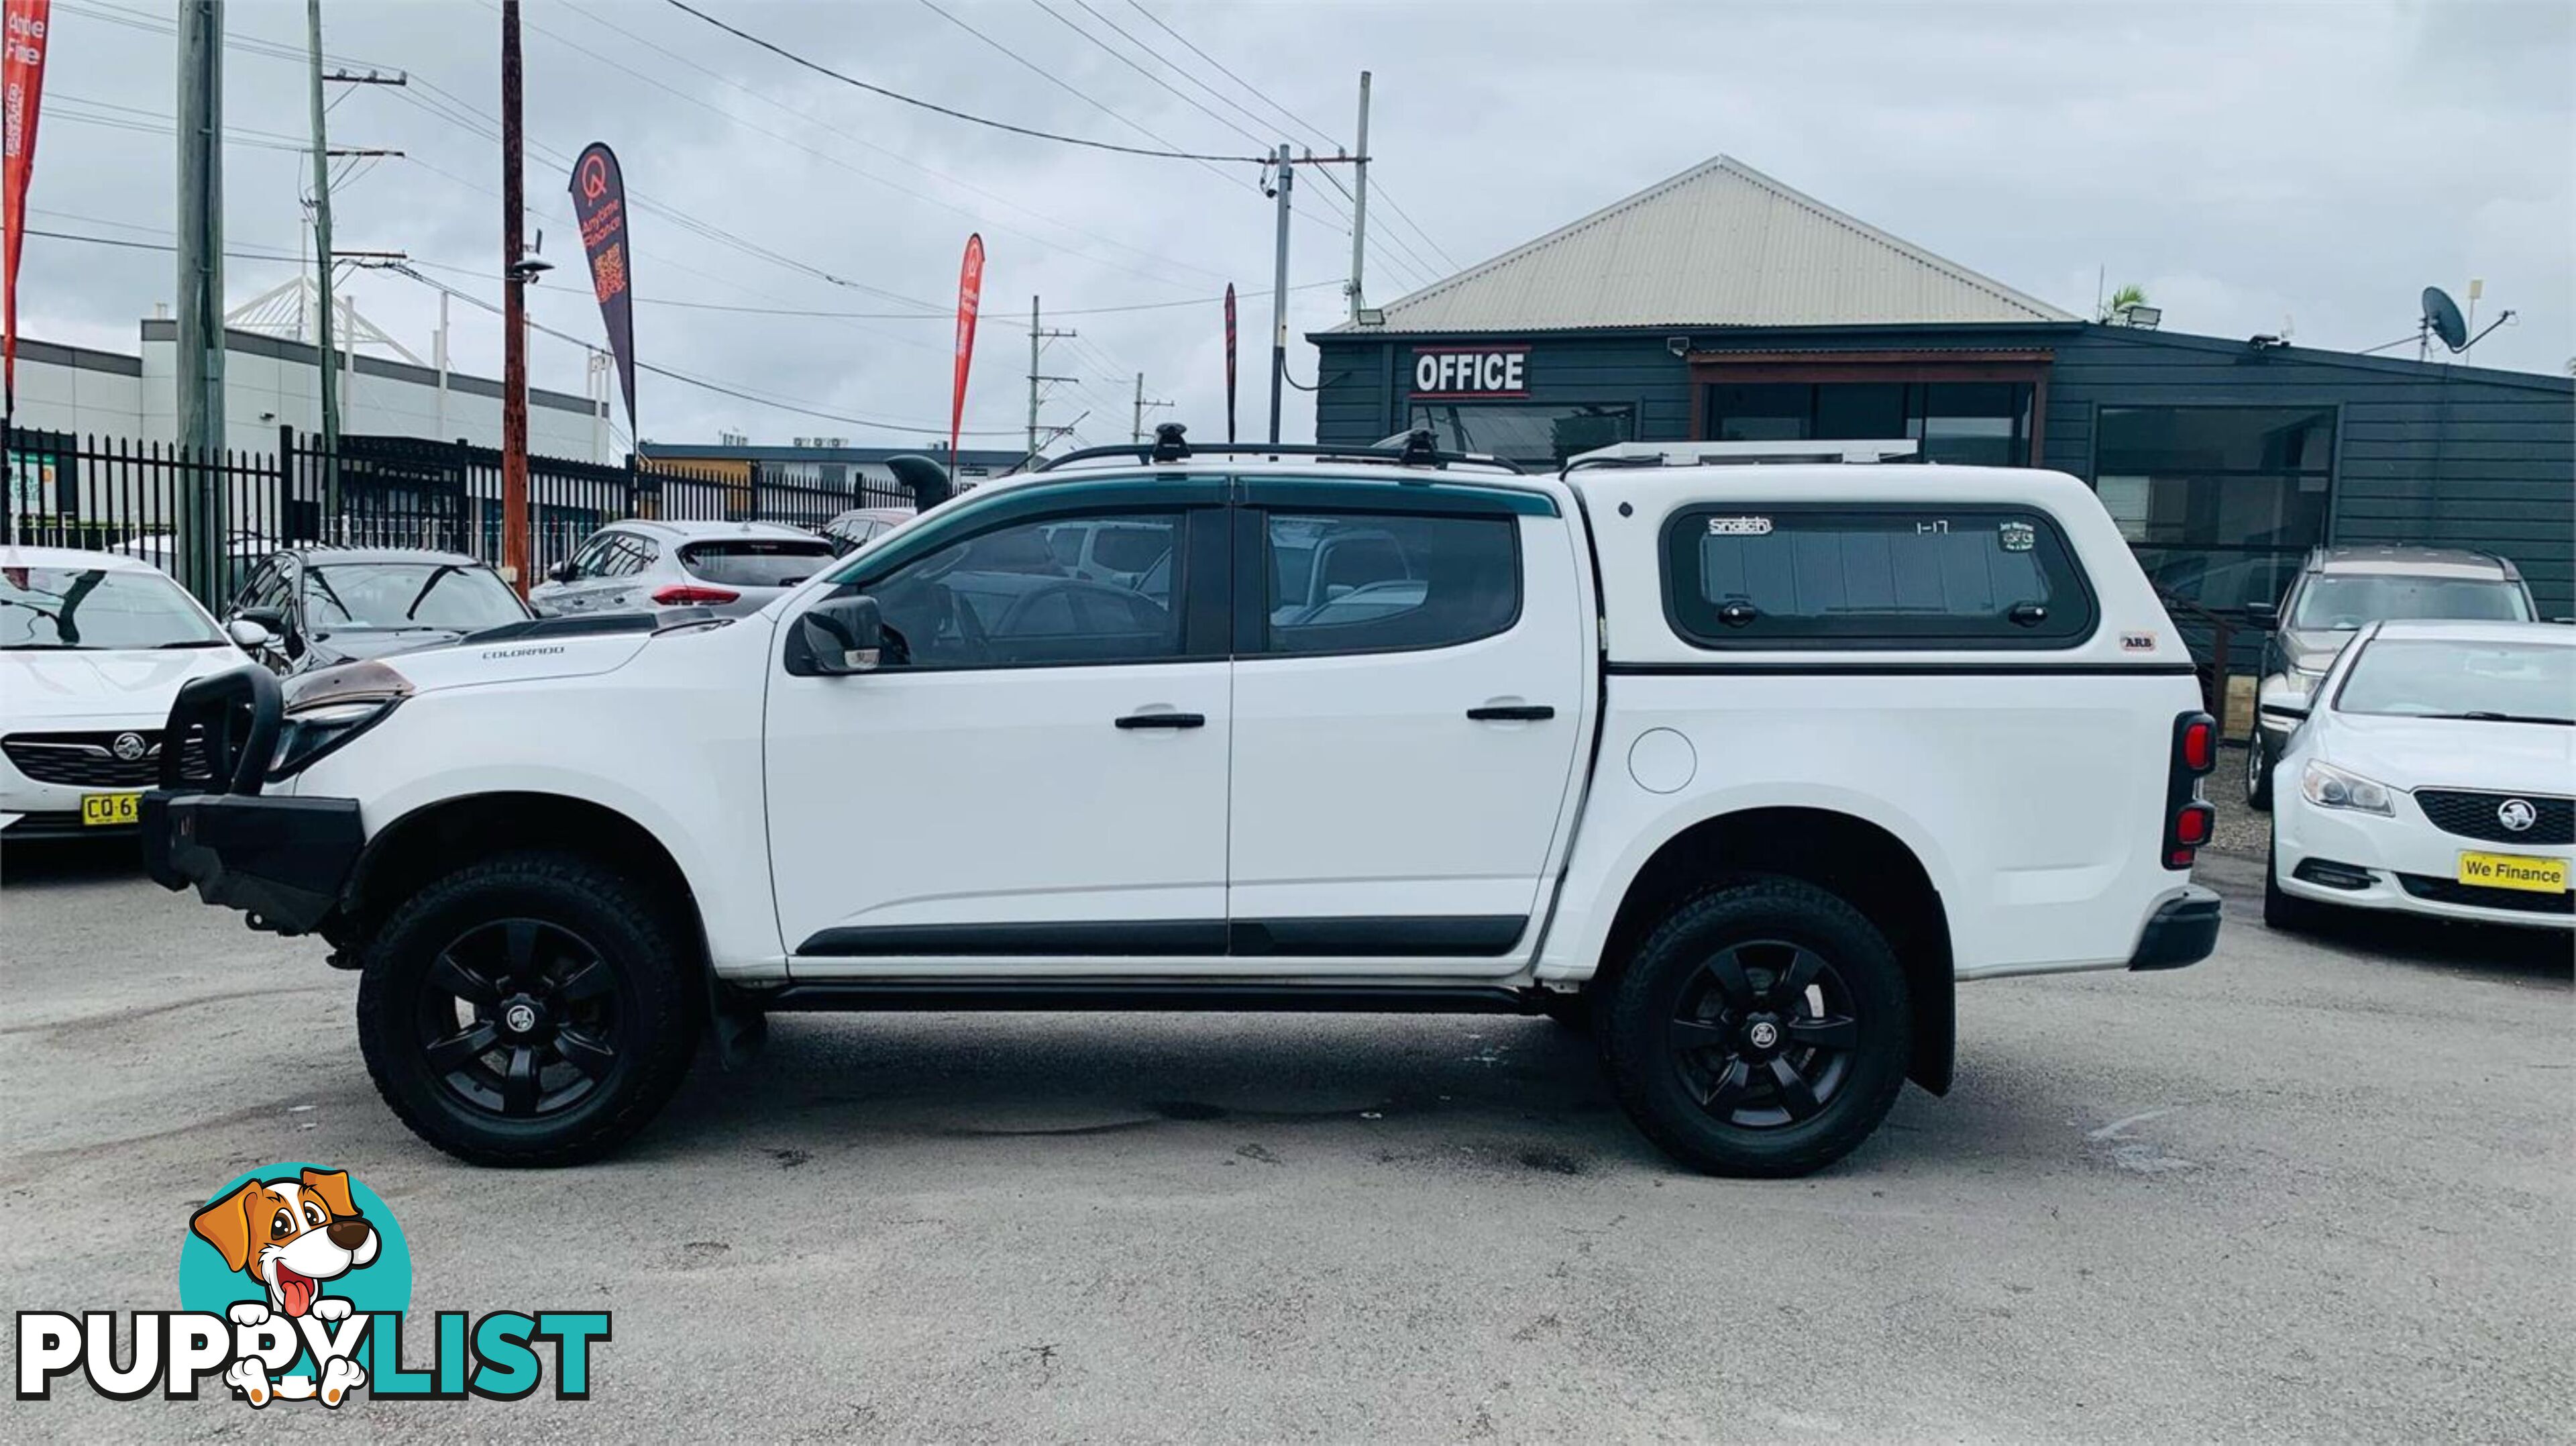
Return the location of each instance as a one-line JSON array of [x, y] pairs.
[[1279, 291], [200, 362], [1136, 433], [1359, 199], [327, 357], [514, 316], [329, 365], [1037, 335]]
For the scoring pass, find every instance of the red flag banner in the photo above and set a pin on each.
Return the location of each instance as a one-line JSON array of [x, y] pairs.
[[599, 204], [1229, 361], [970, 299], [22, 86]]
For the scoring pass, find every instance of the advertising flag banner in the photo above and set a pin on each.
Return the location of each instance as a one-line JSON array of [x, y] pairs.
[[970, 298], [599, 204], [1229, 361], [22, 86]]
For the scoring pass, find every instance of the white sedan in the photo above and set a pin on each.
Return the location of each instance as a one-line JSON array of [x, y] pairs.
[[2432, 773], [93, 648]]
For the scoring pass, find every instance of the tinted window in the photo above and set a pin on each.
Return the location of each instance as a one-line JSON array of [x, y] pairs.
[[1924, 577], [457, 596], [2422, 678], [781, 563], [1003, 599], [1349, 582], [2348, 601]]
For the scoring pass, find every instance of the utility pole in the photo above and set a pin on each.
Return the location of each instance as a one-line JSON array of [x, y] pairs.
[[1359, 199], [200, 362], [329, 365], [326, 358], [514, 316], [1037, 335], [1136, 433], [1286, 178]]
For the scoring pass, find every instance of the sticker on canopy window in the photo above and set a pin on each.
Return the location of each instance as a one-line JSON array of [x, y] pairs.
[[2018, 536], [1739, 526]]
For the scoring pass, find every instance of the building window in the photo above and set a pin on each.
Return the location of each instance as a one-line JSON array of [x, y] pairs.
[[1530, 434], [2221, 503], [1965, 423]]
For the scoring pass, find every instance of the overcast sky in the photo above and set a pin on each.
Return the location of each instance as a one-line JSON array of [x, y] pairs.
[[2290, 167]]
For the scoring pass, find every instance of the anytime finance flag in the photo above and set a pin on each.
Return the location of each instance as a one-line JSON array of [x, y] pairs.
[[970, 299], [599, 204], [22, 85], [1229, 361]]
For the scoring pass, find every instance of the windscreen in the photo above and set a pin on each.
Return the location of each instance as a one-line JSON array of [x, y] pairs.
[[2347, 602], [457, 597], [2504, 682], [779, 562], [91, 608]]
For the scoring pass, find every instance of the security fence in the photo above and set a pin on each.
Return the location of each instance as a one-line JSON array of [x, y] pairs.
[[139, 498]]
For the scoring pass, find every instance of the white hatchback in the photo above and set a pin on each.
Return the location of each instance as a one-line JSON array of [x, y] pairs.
[[2432, 773], [93, 648]]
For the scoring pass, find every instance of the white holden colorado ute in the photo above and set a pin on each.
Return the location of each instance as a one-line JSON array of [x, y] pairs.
[[1748, 756]]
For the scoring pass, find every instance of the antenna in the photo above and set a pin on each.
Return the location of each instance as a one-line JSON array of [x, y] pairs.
[[2442, 320]]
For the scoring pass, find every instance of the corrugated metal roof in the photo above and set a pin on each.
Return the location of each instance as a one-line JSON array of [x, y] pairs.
[[1720, 244]]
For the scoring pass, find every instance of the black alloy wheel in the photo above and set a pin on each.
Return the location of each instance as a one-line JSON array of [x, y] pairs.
[[1761, 1029], [534, 1008], [520, 1018], [1763, 1036]]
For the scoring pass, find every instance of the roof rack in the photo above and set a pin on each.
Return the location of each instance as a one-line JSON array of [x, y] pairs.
[[1716, 454], [1169, 446]]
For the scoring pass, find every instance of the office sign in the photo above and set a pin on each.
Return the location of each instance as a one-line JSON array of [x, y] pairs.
[[1451, 373]]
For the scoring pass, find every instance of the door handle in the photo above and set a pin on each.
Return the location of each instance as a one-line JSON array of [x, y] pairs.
[[1514, 713], [1163, 720]]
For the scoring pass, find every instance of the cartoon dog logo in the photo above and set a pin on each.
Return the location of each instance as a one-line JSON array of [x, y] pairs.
[[291, 1236]]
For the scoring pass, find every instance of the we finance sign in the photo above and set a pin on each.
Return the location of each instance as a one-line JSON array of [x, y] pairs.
[[1456, 372]]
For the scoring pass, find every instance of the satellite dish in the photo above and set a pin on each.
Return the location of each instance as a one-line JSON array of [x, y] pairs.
[[2442, 318]]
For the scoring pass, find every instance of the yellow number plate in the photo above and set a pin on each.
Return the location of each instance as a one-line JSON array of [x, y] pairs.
[[109, 808], [2514, 871]]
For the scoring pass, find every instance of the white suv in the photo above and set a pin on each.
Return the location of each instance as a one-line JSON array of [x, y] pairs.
[[1754, 761]]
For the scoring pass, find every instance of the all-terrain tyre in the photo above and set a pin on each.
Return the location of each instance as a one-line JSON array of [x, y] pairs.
[[529, 1009], [1762, 1029]]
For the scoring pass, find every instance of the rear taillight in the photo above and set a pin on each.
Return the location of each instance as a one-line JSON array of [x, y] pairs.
[[2188, 821], [692, 595]]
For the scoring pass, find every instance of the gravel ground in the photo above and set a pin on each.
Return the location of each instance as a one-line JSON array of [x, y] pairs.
[[2305, 1190]]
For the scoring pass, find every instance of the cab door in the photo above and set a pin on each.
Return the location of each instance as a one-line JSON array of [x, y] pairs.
[[1036, 776], [1408, 695]]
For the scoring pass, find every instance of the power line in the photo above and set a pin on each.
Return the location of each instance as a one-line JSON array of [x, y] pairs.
[[739, 393], [900, 159], [824, 70], [1219, 96], [1293, 117], [1121, 58], [916, 316], [1315, 130]]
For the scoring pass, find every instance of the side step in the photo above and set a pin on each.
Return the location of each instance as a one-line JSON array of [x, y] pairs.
[[1224, 995]]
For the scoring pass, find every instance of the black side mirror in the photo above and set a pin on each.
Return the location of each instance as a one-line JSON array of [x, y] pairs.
[[836, 638], [273, 619], [563, 571], [2262, 614]]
